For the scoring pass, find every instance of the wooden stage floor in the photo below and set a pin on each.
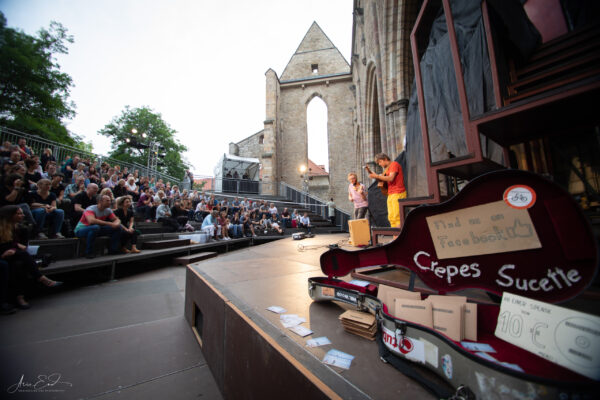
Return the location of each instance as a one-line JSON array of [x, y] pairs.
[[252, 355]]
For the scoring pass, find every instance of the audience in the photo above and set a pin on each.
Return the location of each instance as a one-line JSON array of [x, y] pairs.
[[55, 195]]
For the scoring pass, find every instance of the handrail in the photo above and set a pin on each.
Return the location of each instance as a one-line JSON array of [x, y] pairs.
[[61, 151], [315, 204]]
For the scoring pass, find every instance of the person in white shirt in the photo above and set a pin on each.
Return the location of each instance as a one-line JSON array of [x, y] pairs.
[[272, 209], [305, 222], [211, 226]]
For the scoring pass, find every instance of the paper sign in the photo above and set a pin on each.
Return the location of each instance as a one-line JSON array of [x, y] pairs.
[[358, 282], [338, 358], [472, 346], [289, 320], [431, 352], [300, 330], [566, 337], [486, 356], [276, 309], [484, 229], [316, 342]]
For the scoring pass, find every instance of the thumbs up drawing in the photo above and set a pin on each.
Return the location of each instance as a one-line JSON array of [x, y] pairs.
[[519, 230]]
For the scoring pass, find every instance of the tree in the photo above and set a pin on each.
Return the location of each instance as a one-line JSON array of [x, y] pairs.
[[132, 134], [34, 94]]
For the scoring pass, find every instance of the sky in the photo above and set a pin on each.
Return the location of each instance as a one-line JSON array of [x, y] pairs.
[[198, 63]]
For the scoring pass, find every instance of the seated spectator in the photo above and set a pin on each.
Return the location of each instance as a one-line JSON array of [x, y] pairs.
[[235, 205], [93, 175], [99, 220], [265, 223], [113, 181], [175, 193], [74, 189], [236, 226], [43, 206], [14, 192], [82, 201], [128, 231], [15, 157], [51, 169], [273, 209], [179, 213], [32, 175], [286, 218], [211, 226], [276, 223], [13, 252], [295, 218], [25, 151], [144, 205], [163, 215], [224, 203], [305, 222], [132, 188], [248, 224], [186, 204], [39, 168], [69, 167], [223, 224], [263, 209], [47, 157], [80, 172], [58, 188], [121, 189], [6, 149], [109, 193]]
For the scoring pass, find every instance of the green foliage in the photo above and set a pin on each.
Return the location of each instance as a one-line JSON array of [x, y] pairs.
[[34, 94], [145, 120], [198, 185]]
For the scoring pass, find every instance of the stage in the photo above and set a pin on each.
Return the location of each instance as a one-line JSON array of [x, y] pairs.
[[252, 355]]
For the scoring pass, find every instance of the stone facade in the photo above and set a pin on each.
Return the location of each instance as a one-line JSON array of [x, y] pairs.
[[382, 71], [366, 102], [317, 68]]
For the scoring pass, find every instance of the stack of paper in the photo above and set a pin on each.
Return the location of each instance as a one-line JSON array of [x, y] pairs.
[[359, 323]]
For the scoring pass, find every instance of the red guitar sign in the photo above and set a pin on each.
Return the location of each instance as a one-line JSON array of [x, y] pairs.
[[508, 230]]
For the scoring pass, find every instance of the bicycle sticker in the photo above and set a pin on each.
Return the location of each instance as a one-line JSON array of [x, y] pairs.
[[519, 197]]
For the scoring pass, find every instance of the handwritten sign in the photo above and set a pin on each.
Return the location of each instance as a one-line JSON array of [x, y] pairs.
[[484, 229], [565, 337]]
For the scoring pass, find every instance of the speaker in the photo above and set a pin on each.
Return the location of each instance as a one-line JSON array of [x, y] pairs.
[[360, 232]]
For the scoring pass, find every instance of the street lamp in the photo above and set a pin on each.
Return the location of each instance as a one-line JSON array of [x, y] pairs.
[[304, 176]]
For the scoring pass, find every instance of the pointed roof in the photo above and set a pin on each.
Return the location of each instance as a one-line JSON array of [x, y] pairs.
[[315, 50], [316, 170]]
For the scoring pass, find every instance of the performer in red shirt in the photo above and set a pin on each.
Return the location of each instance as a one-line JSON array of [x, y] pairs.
[[392, 174]]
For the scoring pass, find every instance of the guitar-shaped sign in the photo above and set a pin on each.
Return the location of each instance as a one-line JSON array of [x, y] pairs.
[[508, 230], [382, 185]]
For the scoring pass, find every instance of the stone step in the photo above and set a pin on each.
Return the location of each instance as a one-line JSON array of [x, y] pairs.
[[192, 258], [165, 244]]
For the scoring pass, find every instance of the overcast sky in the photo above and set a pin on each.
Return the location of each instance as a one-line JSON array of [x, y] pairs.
[[201, 64]]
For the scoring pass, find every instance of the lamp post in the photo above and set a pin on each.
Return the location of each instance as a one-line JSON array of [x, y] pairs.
[[304, 175], [152, 147]]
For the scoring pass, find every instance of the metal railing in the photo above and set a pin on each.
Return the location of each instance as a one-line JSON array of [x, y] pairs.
[[238, 186], [63, 152], [314, 204]]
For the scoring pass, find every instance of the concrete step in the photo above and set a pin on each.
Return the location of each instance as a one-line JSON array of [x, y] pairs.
[[165, 244], [192, 258]]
